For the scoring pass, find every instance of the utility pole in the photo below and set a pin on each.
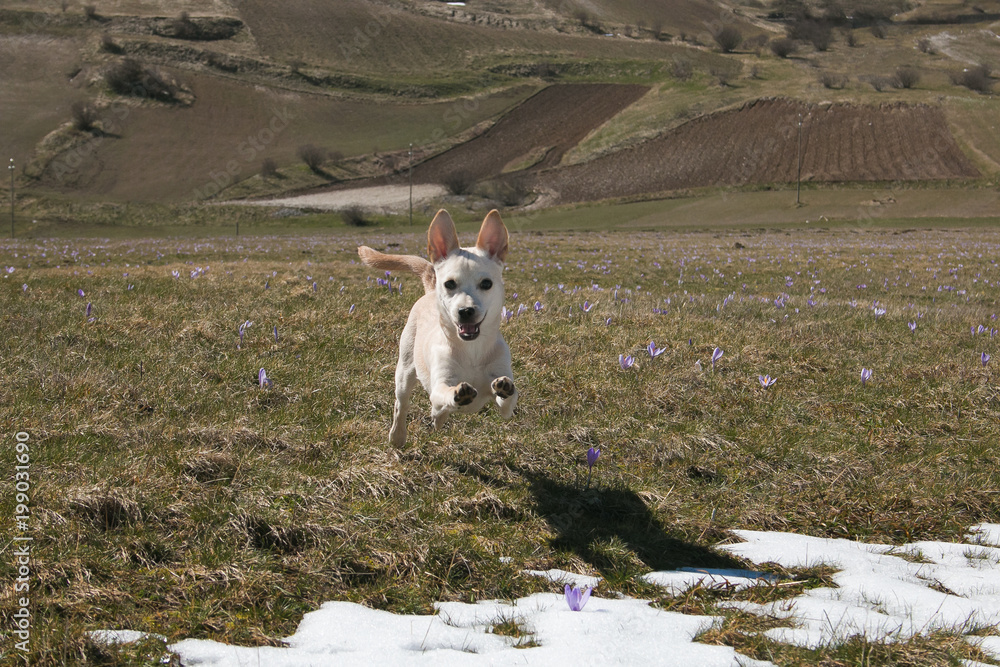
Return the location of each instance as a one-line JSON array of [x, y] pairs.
[[798, 177], [410, 169], [10, 168]]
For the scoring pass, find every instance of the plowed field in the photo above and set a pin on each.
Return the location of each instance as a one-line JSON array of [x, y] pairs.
[[536, 133], [759, 143]]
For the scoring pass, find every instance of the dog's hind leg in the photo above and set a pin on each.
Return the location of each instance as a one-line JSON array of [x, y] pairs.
[[406, 380]]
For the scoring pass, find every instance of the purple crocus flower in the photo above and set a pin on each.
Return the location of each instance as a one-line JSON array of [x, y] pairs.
[[587, 305], [89, 308], [575, 598], [985, 358], [538, 306], [866, 374], [242, 330], [80, 292], [592, 456], [262, 378], [505, 314], [351, 310], [275, 333], [716, 355], [913, 326], [766, 380], [654, 351], [626, 361]]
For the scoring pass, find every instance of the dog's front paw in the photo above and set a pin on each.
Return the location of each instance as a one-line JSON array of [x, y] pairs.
[[503, 387], [465, 393]]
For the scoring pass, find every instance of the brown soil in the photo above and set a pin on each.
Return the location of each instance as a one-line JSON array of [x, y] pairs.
[[540, 130], [759, 143]]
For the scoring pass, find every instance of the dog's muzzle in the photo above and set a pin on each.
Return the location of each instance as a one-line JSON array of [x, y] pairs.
[[468, 330]]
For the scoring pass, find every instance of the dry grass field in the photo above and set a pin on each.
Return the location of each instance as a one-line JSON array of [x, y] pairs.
[[173, 494]]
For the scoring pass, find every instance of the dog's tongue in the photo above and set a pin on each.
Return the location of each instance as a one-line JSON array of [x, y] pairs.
[[468, 330]]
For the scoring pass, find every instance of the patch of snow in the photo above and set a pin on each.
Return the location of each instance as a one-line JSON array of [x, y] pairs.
[[883, 592], [114, 637], [605, 632], [879, 595], [680, 581]]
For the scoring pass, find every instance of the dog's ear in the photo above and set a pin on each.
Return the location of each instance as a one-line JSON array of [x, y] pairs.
[[442, 239], [493, 236]]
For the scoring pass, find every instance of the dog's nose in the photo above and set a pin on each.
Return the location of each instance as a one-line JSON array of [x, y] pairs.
[[466, 314]]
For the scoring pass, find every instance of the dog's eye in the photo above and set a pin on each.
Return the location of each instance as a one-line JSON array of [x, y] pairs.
[[450, 284], [486, 284]]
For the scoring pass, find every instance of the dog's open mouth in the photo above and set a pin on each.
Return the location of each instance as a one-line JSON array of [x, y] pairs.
[[468, 331]]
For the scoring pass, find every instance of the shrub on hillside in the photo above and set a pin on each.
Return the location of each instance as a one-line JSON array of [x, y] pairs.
[[723, 75], [833, 80], [314, 157], [108, 44], [587, 21], [974, 78], [816, 32], [184, 28], [906, 77], [728, 38], [90, 11], [755, 43], [509, 192], [269, 168], [681, 68], [130, 77], [459, 183], [880, 30], [783, 47], [355, 216], [84, 116], [879, 83]]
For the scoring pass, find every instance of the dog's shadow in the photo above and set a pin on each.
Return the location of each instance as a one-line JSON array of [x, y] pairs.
[[601, 525]]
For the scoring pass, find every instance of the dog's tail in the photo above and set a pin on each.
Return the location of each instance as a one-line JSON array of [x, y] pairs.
[[417, 265]]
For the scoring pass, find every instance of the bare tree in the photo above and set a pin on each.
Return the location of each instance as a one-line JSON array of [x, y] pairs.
[[84, 115], [728, 38], [783, 47], [907, 77], [314, 157], [833, 80], [269, 168], [681, 68], [974, 78]]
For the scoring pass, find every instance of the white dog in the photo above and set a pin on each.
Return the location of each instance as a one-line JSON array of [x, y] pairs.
[[452, 341]]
